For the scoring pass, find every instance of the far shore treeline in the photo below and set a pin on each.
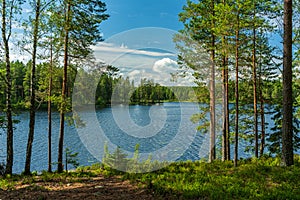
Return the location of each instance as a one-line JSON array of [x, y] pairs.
[[122, 89]]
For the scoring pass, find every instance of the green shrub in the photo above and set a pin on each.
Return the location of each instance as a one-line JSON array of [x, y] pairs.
[[252, 179], [6, 184]]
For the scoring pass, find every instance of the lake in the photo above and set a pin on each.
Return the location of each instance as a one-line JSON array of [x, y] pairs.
[[163, 131]]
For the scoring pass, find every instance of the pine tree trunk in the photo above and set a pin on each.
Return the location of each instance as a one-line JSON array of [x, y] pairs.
[[263, 134], [32, 90], [50, 110], [227, 109], [255, 130], [212, 154], [262, 111], [287, 121], [224, 135], [9, 142], [63, 93], [236, 139]]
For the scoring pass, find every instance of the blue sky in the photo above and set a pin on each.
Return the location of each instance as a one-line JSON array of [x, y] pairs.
[[129, 14], [138, 39]]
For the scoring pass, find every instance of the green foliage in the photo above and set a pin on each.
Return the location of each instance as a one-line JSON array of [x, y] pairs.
[[6, 184], [262, 178], [274, 138], [85, 18], [117, 90], [202, 118], [253, 179], [118, 162], [71, 158], [150, 92], [115, 160], [121, 90]]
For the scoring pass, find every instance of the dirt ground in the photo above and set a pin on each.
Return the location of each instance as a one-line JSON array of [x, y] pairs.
[[85, 188]]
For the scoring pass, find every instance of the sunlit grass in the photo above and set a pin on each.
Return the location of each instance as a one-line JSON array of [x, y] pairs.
[[253, 179]]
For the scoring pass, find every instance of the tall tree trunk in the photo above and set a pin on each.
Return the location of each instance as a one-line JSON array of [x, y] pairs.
[[212, 154], [32, 90], [287, 121], [49, 109], [262, 109], [9, 129], [64, 91], [255, 130], [236, 92], [224, 135], [263, 132], [227, 109]]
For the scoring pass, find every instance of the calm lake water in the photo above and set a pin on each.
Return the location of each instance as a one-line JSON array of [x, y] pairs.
[[162, 131]]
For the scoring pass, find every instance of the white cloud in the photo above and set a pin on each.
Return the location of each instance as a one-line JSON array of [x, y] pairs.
[[129, 59], [160, 72], [165, 65], [103, 47], [103, 44]]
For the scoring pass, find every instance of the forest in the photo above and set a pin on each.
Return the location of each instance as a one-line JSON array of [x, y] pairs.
[[253, 58]]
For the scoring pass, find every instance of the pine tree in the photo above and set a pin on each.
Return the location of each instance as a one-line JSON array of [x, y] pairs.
[[9, 10], [199, 21], [287, 121], [80, 30], [32, 87]]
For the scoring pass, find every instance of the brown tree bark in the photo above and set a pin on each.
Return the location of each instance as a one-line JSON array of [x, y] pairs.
[[50, 110], [287, 121], [64, 91], [227, 110], [32, 90], [263, 132], [262, 110], [8, 81], [225, 144], [224, 135], [212, 154], [236, 138], [255, 117]]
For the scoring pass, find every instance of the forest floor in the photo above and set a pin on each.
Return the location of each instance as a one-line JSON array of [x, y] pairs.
[[99, 187], [262, 178]]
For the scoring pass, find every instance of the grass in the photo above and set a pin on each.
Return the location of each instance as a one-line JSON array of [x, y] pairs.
[[253, 179]]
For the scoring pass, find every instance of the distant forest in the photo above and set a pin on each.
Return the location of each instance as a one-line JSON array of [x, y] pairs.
[[113, 87]]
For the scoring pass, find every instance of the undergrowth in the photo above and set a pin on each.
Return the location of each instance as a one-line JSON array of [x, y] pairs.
[[253, 179], [262, 178]]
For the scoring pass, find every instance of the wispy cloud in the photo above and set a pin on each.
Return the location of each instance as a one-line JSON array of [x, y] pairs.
[[138, 64], [123, 49]]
